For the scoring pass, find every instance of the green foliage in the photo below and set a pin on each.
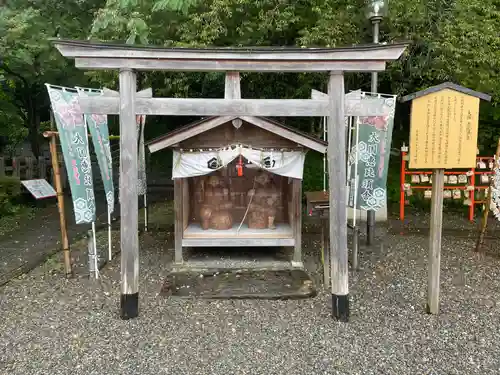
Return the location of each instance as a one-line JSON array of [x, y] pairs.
[[313, 172], [10, 191], [181, 6], [28, 60], [12, 131], [452, 40]]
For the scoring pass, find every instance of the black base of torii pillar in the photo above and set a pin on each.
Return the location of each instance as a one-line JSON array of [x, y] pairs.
[[129, 306], [340, 307]]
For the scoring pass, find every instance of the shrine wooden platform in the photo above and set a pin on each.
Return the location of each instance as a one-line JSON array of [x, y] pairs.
[[195, 236]]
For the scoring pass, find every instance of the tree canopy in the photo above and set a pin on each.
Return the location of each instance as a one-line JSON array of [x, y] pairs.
[[28, 60], [452, 40]]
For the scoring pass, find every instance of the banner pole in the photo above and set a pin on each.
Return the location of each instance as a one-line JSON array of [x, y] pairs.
[[324, 155], [356, 179], [142, 161], [96, 264], [110, 252], [348, 165], [145, 212], [60, 202], [355, 238]]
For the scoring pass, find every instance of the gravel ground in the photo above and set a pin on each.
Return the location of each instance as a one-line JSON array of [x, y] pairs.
[[54, 326], [32, 239]]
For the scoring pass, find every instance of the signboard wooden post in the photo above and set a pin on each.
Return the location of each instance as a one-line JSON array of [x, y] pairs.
[[60, 200], [443, 135]]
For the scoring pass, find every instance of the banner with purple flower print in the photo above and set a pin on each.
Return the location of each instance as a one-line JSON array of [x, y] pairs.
[[371, 152], [75, 148], [98, 128]]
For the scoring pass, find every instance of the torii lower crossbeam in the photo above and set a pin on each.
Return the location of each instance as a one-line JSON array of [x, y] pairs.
[[234, 107]]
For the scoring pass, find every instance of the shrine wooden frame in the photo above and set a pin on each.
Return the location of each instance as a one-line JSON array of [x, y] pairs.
[[268, 129]]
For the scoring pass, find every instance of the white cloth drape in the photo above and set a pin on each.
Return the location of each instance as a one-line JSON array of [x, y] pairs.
[[199, 163]]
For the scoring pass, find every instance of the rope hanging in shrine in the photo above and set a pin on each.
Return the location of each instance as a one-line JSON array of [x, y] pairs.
[[248, 206]]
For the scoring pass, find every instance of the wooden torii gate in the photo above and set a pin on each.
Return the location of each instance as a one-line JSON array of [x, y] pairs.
[[129, 58]]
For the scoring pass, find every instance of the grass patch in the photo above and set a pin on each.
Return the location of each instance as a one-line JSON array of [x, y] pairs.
[[160, 215], [9, 223]]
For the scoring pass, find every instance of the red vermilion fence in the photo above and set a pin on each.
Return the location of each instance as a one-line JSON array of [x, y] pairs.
[[470, 187]]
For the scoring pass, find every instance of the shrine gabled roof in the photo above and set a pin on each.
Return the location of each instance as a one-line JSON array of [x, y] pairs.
[[444, 86], [206, 124]]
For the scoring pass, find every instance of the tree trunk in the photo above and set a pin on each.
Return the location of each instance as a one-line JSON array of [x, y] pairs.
[[33, 135], [33, 125], [140, 79]]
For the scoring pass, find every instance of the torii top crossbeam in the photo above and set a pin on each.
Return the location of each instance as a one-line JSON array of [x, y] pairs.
[[128, 58], [92, 55]]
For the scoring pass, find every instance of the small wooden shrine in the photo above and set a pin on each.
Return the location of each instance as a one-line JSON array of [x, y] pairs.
[[238, 182]]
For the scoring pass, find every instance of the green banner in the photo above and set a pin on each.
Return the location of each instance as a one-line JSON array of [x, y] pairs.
[[98, 127], [75, 148], [369, 158]]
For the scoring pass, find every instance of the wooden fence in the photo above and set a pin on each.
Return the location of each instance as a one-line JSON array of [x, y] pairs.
[[28, 167]]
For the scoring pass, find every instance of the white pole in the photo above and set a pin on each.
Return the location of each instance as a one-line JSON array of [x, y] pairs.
[[324, 155], [356, 140], [142, 154], [95, 251], [110, 252], [145, 211], [349, 147], [355, 238]]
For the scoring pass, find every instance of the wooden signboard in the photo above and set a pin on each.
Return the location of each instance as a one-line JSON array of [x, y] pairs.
[[443, 127], [40, 189], [443, 135], [444, 130]]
